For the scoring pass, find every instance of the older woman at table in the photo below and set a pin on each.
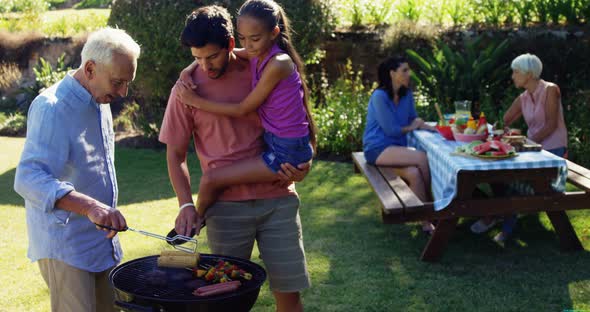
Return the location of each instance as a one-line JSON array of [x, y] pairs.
[[391, 114], [540, 106]]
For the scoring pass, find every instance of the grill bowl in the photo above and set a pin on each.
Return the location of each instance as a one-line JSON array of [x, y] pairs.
[[140, 285]]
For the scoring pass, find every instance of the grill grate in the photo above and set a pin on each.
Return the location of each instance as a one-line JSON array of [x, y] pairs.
[[142, 277]]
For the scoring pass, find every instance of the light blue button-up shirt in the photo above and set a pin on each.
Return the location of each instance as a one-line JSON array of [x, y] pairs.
[[69, 146]]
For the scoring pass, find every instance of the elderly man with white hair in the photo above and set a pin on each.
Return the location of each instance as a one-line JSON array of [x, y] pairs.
[[66, 175], [540, 105]]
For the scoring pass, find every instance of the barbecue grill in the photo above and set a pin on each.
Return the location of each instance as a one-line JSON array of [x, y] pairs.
[[140, 285]]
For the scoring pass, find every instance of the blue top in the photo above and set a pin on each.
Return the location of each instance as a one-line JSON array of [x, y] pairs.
[[385, 120], [69, 146]]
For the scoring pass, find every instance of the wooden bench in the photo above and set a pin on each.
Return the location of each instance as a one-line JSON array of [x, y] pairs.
[[398, 201], [400, 204]]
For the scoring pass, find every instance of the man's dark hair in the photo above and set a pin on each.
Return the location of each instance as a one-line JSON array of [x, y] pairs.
[[209, 24]]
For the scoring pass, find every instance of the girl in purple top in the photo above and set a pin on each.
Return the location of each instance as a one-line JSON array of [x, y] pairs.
[[279, 94]]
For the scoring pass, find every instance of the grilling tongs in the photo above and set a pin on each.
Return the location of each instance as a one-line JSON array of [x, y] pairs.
[[173, 239]]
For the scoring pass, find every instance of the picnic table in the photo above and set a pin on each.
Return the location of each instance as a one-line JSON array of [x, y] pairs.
[[455, 178]]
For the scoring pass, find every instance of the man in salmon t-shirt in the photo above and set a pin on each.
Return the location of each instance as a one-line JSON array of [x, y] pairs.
[[265, 212]]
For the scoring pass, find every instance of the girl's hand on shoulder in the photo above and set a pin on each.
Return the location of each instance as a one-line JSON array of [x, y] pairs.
[[186, 95], [186, 75]]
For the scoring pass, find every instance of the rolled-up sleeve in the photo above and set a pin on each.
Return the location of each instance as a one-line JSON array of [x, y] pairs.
[[44, 158], [384, 114]]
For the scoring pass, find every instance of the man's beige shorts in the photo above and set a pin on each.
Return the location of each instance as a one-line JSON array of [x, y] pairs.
[[232, 228]]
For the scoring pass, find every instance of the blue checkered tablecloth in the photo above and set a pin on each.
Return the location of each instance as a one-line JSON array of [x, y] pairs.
[[444, 166]]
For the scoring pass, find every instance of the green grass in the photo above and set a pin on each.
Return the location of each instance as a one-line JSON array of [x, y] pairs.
[[356, 262], [58, 23]]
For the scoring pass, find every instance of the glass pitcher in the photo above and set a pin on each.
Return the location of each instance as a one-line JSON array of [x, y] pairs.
[[462, 109]]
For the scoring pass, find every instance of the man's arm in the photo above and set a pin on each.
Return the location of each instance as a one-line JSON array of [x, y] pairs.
[[43, 159], [178, 172], [96, 211]]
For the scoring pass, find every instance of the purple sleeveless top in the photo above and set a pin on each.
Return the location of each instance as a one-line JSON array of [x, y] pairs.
[[283, 112]]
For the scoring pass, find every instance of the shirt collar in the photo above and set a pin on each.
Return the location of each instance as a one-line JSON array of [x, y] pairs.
[[78, 90]]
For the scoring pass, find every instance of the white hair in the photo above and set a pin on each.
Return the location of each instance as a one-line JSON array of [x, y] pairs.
[[102, 43], [528, 63]]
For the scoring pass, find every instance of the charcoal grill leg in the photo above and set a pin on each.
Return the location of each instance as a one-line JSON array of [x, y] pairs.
[[439, 240]]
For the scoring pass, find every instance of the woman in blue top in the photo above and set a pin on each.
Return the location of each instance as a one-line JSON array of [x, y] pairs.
[[391, 114]]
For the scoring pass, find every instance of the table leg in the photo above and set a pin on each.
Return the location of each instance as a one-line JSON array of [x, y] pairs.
[[439, 240], [567, 236]]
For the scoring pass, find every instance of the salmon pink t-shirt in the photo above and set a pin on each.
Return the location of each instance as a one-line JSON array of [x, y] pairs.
[[221, 140]]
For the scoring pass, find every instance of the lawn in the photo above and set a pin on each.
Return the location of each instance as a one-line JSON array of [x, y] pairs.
[[356, 262]]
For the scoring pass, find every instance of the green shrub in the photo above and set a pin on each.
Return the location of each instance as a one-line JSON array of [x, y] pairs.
[[524, 9], [410, 10], [341, 118], [127, 119], [53, 4], [459, 11], [577, 116], [466, 74], [5, 6], [29, 6], [8, 105], [156, 26], [13, 124], [10, 76], [45, 76], [87, 4]]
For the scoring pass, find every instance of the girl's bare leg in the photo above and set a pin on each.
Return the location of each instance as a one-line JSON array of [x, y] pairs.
[[252, 170]]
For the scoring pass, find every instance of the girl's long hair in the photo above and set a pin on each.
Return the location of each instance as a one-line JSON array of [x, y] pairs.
[[384, 78], [272, 14]]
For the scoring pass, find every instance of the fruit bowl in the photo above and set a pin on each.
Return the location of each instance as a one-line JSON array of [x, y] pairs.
[[469, 137], [446, 132]]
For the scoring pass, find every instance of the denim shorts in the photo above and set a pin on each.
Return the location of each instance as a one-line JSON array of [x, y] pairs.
[[286, 150], [371, 155]]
